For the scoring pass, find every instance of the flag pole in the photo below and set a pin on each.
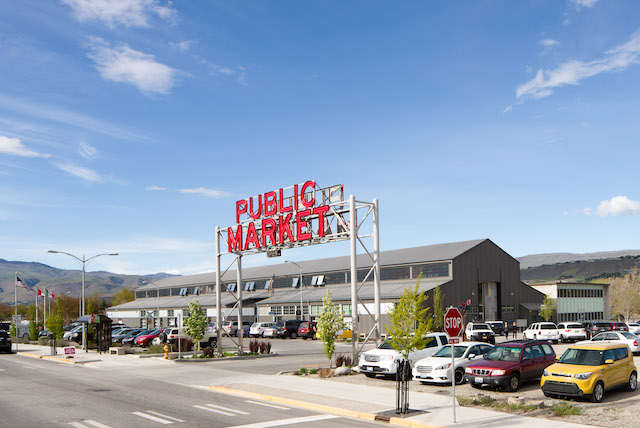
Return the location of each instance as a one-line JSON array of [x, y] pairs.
[[36, 291], [44, 301], [15, 282]]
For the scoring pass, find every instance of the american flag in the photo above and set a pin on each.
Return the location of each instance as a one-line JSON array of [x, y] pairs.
[[19, 283]]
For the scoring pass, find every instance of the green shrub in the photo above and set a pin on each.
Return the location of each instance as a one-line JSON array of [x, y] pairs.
[[208, 352], [303, 370], [156, 349], [313, 371], [565, 409]]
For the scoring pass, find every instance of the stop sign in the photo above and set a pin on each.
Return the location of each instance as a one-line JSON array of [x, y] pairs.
[[453, 322]]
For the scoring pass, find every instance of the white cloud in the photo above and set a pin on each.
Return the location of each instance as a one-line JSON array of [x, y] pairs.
[[583, 3], [548, 43], [587, 211], [127, 13], [13, 146], [87, 151], [572, 72], [80, 171], [125, 65], [155, 188], [182, 46], [203, 191], [618, 206]]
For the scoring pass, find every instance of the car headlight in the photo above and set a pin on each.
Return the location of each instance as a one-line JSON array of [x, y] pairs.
[[444, 366], [468, 370], [583, 376], [497, 373], [545, 372], [386, 357]]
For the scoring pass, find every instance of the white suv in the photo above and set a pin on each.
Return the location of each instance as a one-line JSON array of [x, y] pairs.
[[257, 328], [572, 331], [542, 331], [480, 332], [383, 359]]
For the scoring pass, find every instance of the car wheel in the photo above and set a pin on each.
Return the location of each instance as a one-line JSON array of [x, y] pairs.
[[555, 342], [304, 337], [632, 384], [459, 376], [535, 337], [293, 335], [262, 335], [25, 336], [213, 342], [514, 382], [598, 393]]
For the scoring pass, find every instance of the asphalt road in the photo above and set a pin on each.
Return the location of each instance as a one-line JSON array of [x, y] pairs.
[[39, 393]]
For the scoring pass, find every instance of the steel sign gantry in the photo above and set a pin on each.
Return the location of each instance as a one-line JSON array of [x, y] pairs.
[[309, 217]]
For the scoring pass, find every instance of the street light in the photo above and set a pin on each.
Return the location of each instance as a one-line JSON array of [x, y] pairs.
[[299, 267], [83, 261], [157, 300]]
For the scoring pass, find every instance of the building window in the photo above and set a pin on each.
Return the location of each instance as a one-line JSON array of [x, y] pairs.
[[335, 278], [346, 310], [397, 272], [170, 313], [185, 313], [431, 270], [141, 294]]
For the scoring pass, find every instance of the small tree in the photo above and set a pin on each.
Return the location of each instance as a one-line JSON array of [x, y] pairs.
[[331, 321], [33, 331], [438, 309], [548, 308], [123, 296], [196, 323], [55, 323]]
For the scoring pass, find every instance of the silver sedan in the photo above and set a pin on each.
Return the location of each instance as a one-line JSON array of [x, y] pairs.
[[630, 339]]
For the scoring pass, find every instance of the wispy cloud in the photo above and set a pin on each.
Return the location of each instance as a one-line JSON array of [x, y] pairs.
[[618, 206], [87, 151], [13, 146], [155, 188], [125, 65], [572, 72], [583, 3], [203, 191], [81, 172], [548, 43], [126, 13], [185, 45]]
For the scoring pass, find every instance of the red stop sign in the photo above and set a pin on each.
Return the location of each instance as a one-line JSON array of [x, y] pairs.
[[453, 322]]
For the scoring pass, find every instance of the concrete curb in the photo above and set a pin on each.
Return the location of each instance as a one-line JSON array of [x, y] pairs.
[[318, 407], [211, 360], [54, 358]]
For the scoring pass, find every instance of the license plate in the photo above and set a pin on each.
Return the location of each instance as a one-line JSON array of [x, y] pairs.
[[479, 380]]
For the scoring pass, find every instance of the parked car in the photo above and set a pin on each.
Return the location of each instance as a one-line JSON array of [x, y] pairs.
[[571, 331], [542, 331], [308, 330], [74, 335], [270, 331], [210, 337], [437, 368], [480, 332], [497, 327], [5, 341], [231, 327], [630, 339], [509, 364], [71, 326], [633, 326], [145, 339], [383, 359], [597, 327], [117, 338], [288, 328], [128, 339], [257, 328], [589, 370]]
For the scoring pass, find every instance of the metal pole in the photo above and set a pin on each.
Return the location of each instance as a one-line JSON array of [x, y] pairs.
[[376, 272], [453, 382], [85, 326], [239, 280], [354, 276], [218, 295], [158, 305], [301, 307]]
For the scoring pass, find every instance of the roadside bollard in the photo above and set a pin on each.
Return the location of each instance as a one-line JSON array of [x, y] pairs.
[[166, 352]]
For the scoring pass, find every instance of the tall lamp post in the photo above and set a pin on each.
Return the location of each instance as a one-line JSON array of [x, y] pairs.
[[157, 301], [299, 267], [83, 261]]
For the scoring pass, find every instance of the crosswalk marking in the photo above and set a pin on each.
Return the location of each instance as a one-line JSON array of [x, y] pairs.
[[226, 409], [267, 405], [153, 418], [287, 421], [165, 416], [209, 409], [90, 422]]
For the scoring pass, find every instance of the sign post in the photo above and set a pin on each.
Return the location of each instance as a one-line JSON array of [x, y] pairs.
[[16, 320], [453, 328]]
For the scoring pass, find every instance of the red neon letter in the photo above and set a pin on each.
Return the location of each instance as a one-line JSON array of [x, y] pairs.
[[320, 211], [284, 209], [251, 213], [235, 241], [311, 202], [302, 223], [241, 208], [295, 196], [270, 232], [270, 204], [284, 227], [252, 237]]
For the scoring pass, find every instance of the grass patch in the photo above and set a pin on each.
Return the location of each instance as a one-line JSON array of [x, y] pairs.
[[565, 409], [313, 371], [303, 370], [499, 405]]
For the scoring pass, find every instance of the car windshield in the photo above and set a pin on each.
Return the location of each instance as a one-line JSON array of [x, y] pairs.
[[385, 345], [582, 357], [480, 326], [504, 353], [628, 335], [547, 327], [573, 326], [458, 351]]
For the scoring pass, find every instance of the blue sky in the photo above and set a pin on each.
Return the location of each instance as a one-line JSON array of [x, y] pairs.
[[133, 126]]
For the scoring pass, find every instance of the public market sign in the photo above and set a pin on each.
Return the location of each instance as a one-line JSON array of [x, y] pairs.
[[278, 217]]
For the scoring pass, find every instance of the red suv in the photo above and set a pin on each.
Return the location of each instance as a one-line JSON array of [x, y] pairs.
[[511, 363], [307, 330]]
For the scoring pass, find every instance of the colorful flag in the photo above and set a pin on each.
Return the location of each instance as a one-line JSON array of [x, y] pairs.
[[39, 292], [19, 283], [53, 296], [46, 292]]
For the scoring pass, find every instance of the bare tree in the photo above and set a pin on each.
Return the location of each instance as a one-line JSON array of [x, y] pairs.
[[625, 295]]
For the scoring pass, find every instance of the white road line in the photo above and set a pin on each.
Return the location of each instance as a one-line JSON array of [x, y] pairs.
[[153, 418], [267, 405], [287, 421], [240, 412], [1, 370], [90, 422], [165, 416], [209, 409], [30, 367]]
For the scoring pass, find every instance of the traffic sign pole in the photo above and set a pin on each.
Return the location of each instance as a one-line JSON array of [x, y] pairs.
[[453, 327]]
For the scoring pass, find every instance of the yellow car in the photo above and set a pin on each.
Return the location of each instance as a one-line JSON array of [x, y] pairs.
[[589, 370]]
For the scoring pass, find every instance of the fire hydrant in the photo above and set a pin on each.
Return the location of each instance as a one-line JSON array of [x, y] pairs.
[[166, 352]]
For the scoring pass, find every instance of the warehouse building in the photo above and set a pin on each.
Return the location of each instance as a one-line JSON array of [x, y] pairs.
[[578, 301], [478, 271]]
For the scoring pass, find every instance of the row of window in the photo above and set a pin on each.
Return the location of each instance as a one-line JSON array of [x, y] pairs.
[[579, 292], [580, 316]]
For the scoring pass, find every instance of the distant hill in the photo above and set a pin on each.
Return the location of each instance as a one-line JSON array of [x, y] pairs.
[[553, 258], [59, 281], [583, 270]]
